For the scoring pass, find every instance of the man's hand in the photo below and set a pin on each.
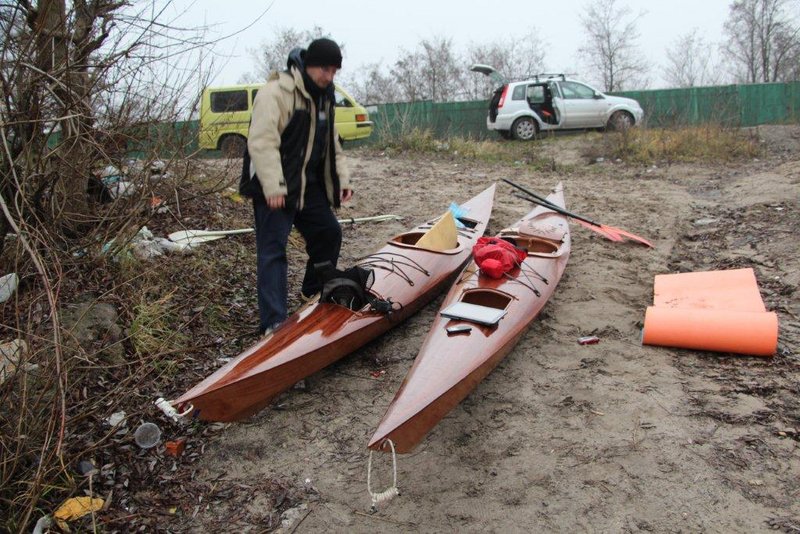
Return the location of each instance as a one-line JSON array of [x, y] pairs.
[[345, 195], [276, 202]]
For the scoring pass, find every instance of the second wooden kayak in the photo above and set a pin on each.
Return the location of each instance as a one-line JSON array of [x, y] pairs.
[[450, 365]]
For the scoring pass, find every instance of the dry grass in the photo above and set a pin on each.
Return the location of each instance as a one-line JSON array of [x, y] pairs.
[[710, 143], [491, 151]]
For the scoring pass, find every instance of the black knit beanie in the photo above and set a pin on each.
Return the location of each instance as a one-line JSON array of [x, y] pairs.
[[323, 53]]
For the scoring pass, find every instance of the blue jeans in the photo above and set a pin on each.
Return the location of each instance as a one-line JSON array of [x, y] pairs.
[[322, 234]]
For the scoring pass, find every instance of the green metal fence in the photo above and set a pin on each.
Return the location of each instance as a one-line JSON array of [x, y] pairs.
[[445, 119], [163, 140], [730, 105]]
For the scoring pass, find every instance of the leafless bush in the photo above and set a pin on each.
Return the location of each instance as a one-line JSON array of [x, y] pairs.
[[84, 83]]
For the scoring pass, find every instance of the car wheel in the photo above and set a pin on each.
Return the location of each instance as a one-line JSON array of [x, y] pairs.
[[524, 129], [620, 121], [232, 146]]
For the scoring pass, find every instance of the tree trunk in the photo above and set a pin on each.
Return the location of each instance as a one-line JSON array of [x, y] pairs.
[[70, 167]]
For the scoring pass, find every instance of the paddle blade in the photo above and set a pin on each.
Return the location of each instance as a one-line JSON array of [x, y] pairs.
[[633, 237], [191, 238], [600, 229], [201, 236]]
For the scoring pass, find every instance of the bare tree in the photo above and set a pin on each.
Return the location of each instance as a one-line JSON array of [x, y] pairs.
[[84, 72], [790, 62], [440, 68], [690, 62], [406, 77], [83, 82], [370, 85], [763, 37], [610, 51], [271, 55], [514, 57], [432, 71]]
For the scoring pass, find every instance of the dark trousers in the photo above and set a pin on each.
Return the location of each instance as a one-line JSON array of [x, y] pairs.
[[322, 234]]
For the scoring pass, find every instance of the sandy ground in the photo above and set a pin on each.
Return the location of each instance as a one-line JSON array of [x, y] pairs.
[[612, 437]]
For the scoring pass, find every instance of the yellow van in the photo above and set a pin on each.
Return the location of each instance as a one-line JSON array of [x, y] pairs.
[[225, 118]]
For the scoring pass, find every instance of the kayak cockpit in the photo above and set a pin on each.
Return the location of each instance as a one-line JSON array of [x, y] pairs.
[[542, 247], [442, 237], [490, 298], [411, 240], [481, 306]]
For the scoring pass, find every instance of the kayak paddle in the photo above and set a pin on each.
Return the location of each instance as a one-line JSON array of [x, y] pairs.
[[609, 232], [195, 237]]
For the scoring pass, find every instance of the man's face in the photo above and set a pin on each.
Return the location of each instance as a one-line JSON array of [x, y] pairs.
[[322, 76]]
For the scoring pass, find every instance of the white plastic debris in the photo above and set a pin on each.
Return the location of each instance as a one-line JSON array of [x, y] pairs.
[[8, 284], [10, 355], [145, 246], [147, 435], [110, 173], [116, 418], [120, 189], [157, 166], [144, 233], [43, 525], [170, 246], [291, 516]]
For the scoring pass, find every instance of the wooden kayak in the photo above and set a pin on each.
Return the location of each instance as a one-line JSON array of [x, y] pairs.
[[450, 365], [321, 333]]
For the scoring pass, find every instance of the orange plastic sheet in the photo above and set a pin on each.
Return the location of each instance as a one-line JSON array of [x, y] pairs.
[[715, 310]]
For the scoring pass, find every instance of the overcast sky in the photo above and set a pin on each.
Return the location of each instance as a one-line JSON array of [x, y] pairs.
[[374, 31]]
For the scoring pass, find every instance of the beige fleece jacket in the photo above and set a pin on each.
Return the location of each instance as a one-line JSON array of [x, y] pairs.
[[274, 105]]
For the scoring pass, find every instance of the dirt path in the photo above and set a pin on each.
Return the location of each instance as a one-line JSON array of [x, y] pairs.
[[613, 437]]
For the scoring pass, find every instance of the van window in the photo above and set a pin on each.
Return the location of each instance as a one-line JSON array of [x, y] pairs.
[[342, 102], [224, 101]]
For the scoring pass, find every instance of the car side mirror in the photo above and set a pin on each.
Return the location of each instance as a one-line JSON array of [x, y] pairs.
[[598, 95]]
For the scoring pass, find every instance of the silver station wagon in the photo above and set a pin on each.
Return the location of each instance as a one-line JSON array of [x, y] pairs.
[[520, 110]]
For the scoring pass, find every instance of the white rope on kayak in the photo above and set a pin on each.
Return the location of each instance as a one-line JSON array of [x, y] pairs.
[[169, 410], [392, 491]]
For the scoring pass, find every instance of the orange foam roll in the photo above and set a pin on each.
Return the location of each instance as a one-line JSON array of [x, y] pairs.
[[741, 332], [712, 310]]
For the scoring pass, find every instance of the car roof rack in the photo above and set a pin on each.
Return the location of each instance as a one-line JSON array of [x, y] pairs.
[[550, 75]]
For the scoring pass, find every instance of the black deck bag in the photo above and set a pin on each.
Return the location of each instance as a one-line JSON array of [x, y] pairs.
[[348, 288]]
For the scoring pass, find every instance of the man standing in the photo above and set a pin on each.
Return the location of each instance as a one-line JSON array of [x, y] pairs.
[[296, 172]]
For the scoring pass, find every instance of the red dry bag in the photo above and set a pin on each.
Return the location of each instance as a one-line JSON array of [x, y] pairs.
[[495, 256]]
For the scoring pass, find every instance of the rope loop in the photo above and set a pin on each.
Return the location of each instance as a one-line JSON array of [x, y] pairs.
[[389, 493], [169, 410]]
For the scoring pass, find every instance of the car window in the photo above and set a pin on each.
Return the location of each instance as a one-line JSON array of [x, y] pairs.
[[225, 101], [536, 94], [342, 101], [255, 92], [519, 93], [575, 90]]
